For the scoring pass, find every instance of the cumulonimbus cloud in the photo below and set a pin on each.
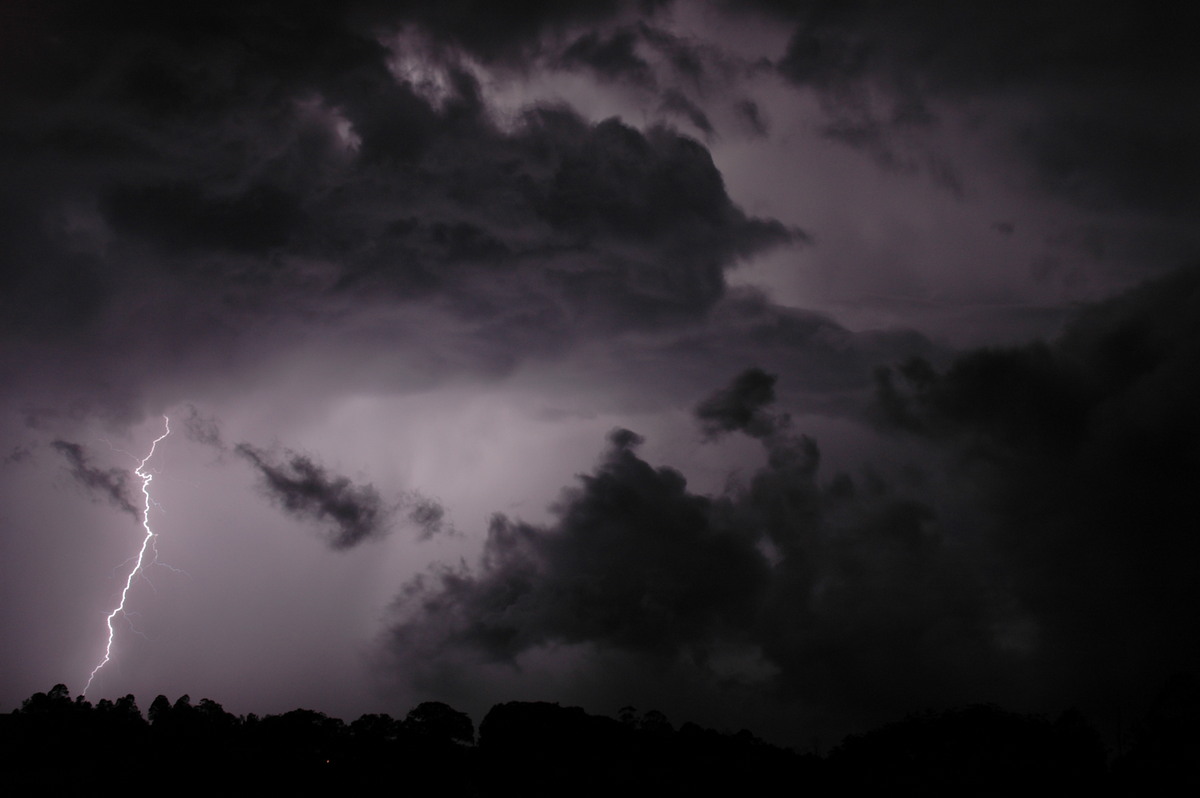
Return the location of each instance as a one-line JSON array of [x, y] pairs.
[[1049, 522]]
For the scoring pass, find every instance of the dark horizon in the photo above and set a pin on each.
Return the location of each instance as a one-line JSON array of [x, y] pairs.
[[542, 747]]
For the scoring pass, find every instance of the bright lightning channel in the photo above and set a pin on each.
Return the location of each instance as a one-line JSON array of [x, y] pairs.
[[147, 543]]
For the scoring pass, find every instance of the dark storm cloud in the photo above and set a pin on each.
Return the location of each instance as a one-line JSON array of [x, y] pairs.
[[1103, 91], [111, 484], [834, 586], [509, 31], [678, 71], [1084, 453], [1040, 550], [179, 218], [740, 407], [306, 490], [635, 561], [190, 192], [519, 34]]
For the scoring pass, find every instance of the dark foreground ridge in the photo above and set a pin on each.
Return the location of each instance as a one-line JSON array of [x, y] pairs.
[[54, 742]]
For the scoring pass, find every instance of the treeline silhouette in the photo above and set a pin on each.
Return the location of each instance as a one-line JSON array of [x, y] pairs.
[[54, 743]]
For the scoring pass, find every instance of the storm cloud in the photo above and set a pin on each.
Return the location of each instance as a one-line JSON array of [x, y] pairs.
[[305, 490], [1082, 72], [740, 407], [110, 484], [342, 195], [1015, 561], [813, 580], [1079, 455], [852, 288], [611, 571]]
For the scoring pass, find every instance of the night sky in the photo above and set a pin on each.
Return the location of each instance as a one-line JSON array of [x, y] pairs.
[[780, 365]]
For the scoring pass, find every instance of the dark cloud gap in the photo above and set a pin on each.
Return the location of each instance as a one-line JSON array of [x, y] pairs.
[[110, 484], [612, 58], [307, 491], [751, 113], [675, 102]]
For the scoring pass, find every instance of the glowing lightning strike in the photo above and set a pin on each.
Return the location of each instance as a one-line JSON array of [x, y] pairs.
[[146, 544]]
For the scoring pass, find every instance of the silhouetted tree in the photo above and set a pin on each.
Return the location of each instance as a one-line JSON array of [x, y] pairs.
[[655, 722], [160, 709], [434, 720], [57, 700], [381, 728]]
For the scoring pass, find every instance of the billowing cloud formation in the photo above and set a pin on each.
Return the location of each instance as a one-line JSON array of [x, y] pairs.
[[611, 572], [1038, 552], [229, 182], [319, 221], [307, 491], [227, 186], [111, 484], [828, 587]]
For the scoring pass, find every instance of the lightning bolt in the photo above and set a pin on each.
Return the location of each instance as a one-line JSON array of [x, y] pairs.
[[147, 543]]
